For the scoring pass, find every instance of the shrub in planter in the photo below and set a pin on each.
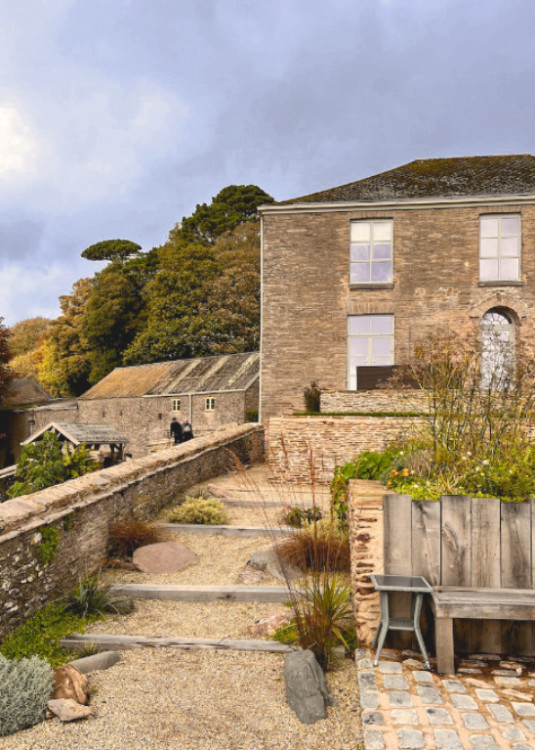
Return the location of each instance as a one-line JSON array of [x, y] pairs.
[[199, 510], [25, 687], [298, 517], [312, 396]]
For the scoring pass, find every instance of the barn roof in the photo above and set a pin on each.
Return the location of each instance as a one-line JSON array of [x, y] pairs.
[[77, 433], [434, 178], [227, 372]]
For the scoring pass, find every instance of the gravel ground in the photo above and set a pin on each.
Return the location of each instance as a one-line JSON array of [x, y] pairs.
[[167, 699]]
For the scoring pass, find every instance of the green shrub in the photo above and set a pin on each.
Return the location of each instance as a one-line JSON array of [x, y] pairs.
[[251, 415], [95, 598], [40, 635], [199, 510], [25, 687], [49, 545], [312, 396], [298, 517], [49, 462]]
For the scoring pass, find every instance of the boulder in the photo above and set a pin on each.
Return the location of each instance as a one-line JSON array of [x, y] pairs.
[[268, 561], [67, 709], [88, 664], [268, 625], [306, 689], [163, 557], [70, 684], [250, 576]]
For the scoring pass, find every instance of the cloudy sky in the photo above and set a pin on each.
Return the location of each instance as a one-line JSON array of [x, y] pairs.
[[118, 116]]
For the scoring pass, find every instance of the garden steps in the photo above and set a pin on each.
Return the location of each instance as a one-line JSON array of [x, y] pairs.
[[108, 642], [224, 530], [202, 593]]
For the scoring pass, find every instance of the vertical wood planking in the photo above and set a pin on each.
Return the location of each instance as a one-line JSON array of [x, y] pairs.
[[456, 556], [426, 540], [532, 504], [398, 534], [397, 510], [517, 637], [455, 540], [486, 567], [426, 558]]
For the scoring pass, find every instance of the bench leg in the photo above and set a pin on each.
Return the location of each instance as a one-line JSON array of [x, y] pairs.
[[444, 645]]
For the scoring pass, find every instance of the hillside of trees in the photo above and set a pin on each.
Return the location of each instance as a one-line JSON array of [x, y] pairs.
[[196, 295]]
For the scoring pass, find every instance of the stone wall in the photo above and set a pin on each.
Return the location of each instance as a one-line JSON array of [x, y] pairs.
[[306, 295], [368, 402], [366, 536], [295, 444], [82, 509]]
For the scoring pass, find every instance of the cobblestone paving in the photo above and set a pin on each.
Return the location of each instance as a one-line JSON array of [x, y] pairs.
[[487, 705]]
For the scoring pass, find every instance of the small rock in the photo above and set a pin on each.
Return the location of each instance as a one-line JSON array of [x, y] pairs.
[[268, 625], [411, 663], [270, 561], [518, 695], [485, 657], [306, 690], [476, 683], [70, 684], [67, 709], [469, 670], [92, 663], [249, 576], [163, 557]]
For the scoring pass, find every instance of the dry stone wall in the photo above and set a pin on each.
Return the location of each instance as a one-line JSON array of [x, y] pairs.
[[82, 509], [379, 401], [299, 447], [366, 536]]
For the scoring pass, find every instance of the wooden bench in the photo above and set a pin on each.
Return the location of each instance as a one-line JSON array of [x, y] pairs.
[[452, 602]]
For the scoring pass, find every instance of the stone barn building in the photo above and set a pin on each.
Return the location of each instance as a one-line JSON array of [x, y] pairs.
[[354, 276], [140, 401]]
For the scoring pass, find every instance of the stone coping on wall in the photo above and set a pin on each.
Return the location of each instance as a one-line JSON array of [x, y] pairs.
[[53, 502]]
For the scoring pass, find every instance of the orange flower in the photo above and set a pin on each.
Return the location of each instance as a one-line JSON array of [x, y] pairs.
[[405, 472]]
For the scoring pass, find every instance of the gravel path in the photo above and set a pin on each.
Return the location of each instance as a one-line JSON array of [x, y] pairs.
[[157, 699]]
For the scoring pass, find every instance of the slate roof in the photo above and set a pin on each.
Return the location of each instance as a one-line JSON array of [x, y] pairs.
[[227, 372], [77, 433], [434, 178], [25, 390]]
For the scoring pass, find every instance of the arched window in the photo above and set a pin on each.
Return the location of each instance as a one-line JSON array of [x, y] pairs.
[[497, 348]]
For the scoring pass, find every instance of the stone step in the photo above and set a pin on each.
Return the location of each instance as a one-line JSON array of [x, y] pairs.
[[202, 593], [122, 642], [220, 530]]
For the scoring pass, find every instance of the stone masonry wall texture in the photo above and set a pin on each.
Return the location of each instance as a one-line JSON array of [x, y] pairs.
[[301, 446], [82, 509], [307, 296]]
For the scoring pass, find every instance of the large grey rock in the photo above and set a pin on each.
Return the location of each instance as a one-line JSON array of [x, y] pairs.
[[91, 663], [306, 690], [268, 560], [163, 557], [67, 709]]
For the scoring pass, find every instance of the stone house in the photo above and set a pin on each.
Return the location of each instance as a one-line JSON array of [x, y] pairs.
[[354, 276], [140, 401]]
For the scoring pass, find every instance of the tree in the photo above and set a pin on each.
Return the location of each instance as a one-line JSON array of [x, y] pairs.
[[48, 462], [6, 374], [26, 336], [66, 364], [230, 207], [118, 250]]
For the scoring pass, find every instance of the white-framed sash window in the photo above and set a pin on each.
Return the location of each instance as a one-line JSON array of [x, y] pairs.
[[370, 341], [371, 252], [499, 247]]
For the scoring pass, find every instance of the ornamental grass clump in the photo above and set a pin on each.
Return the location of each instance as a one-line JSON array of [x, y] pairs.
[[319, 546], [199, 510], [92, 597], [125, 536], [25, 688]]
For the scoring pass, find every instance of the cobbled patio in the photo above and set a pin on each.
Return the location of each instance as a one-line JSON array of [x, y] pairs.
[[486, 705]]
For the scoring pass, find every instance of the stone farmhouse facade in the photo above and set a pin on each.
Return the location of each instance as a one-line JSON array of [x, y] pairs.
[[356, 275], [140, 401]]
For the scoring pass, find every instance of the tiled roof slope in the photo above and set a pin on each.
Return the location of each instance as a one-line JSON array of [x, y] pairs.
[[227, 372], [434, 178], [77, 433]]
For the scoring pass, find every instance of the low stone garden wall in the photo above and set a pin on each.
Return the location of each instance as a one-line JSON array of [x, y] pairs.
[[76, 516], [300, 449], [373, 402]]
